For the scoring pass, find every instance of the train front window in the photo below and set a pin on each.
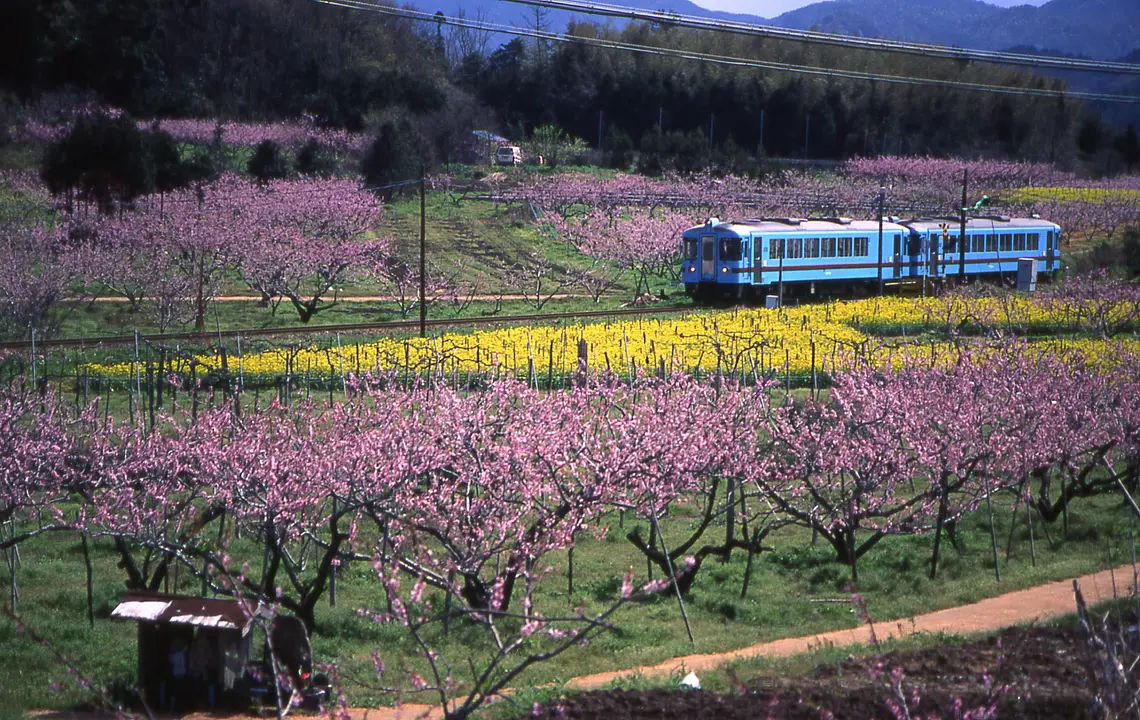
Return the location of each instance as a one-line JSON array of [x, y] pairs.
[[691, 248], [730, 249]]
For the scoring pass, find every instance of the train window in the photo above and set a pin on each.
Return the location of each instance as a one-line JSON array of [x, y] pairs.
[[914, 247], [691, 248], [828, 247], [775, 249], [729, 249], [795, 248], [991, 243], [845, 247], [978, 243], [898, 245], [861, 247], [1019, 241], [1006, 242], [1032, 241], [950, 244], [811, 247]]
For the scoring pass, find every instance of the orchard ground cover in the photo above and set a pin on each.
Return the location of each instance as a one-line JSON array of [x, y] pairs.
[[553, 474], [880, 497], [779, 604]]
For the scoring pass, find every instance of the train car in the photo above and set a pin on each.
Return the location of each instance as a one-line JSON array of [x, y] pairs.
[[994, 244], [788, 256], [784, 255]]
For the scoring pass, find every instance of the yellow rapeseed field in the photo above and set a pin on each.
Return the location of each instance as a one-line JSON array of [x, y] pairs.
[[829, 337], [1076, 194]]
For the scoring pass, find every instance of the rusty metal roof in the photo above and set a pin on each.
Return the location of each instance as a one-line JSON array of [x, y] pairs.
[[218, 613]]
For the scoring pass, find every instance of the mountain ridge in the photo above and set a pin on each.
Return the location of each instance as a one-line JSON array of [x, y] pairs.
[[1100, 29]]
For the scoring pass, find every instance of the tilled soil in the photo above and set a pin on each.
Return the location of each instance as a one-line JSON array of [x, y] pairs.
[[1023, 672]]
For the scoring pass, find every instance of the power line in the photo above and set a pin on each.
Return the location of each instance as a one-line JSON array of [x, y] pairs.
[[835, 39], [730, 61]]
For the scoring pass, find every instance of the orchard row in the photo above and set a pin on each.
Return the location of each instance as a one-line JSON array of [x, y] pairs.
[[458, 499]]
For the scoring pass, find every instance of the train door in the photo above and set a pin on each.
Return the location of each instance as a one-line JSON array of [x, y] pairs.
[[897, 256], [914, 249], [708, 258], [937, 268], [1051, 242]]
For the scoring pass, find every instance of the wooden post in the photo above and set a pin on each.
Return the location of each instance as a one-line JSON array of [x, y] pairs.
[[583, 362], [962, 230], [423, 252], [673, 577]]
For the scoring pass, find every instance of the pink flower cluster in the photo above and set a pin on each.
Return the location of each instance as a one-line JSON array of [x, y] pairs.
[[288, 134]]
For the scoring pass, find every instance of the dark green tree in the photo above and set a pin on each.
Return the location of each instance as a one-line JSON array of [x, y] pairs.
[[1128, 145], [103, 159], [315, 159], [268, 162], [1131, 251], [394, 156]]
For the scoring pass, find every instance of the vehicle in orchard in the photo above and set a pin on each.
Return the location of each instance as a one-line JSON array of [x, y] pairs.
[[789, 256], [508, 155]]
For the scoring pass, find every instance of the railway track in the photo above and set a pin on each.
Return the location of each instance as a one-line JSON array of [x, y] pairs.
[[380, 327]]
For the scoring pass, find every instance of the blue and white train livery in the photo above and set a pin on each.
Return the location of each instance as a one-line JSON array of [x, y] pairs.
[[794, 255]]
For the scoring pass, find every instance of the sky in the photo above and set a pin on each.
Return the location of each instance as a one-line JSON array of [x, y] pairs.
[[772, 8]]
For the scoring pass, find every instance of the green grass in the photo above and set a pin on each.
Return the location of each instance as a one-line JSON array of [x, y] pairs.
[[893, 577]]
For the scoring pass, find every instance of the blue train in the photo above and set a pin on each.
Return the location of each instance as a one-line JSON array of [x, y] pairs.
[[788, 256]]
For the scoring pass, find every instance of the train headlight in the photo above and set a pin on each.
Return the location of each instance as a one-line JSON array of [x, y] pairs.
[[724, 269], [692, 268]]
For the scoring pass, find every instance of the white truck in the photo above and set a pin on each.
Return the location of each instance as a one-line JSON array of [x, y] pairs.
[[508, 155]]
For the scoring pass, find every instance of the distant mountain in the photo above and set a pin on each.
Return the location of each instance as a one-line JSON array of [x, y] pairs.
[[523, 16], [1101, 29]]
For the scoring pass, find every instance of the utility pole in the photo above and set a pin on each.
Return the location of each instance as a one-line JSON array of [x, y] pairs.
[[423, 251], [962, 230], [761, 147], [783, 249], [882, 199]]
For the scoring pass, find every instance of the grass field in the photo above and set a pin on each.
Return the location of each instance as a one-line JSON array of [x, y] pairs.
[[893, 579]]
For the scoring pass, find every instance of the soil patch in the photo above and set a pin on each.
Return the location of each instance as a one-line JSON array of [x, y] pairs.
[[1024, 672]]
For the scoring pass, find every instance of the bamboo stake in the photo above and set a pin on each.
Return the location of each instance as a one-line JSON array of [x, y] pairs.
[[673, 578]]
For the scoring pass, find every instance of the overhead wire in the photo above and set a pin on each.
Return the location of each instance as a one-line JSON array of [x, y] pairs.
[[835, 39], [728, 60]]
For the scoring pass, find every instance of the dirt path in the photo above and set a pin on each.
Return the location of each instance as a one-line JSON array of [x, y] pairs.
[[1022, 606]]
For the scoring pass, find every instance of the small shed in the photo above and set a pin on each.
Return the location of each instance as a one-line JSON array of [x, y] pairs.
[[193, 651]]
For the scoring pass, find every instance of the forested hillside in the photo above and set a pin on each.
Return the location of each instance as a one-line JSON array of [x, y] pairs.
[[258, 60]]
